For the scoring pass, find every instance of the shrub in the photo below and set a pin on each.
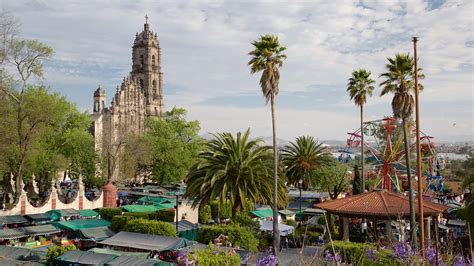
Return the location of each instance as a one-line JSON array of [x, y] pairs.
[[162, 215], [245, 221], [150, 227], [215, 257], [239, 236], [118, 222], [361, 253], [109, 213], [221, 210], [55, 251], [205, 214]]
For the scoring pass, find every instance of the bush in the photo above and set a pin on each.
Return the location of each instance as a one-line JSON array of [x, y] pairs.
[[150, 227], [239, 236], [245, 221], [55, 251], [109, 213], [118, 222], [163, 215], [357, 253], [205, 214], [215, 257], [221, 210]]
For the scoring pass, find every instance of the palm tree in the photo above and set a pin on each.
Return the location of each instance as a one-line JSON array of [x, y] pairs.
[[302, 157], [359, 87], [268, 57], [234, 169], [399, 80]]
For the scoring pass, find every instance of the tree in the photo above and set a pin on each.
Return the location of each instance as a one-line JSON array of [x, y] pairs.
[[332, 178], [175, 145], [302, 157], [359, 87], [399, 80], [54, 251], [357, 187], [268, 57], [234, 169]]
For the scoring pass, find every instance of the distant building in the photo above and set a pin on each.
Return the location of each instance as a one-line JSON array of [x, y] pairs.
[[139, 96]]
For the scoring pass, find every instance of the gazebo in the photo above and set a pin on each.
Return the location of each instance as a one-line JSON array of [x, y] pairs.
[[378, 205]]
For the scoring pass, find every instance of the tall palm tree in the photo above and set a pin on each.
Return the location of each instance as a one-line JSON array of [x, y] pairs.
[[359, 87], [231, 168], [302, 157], [268, 57], [399, 80]]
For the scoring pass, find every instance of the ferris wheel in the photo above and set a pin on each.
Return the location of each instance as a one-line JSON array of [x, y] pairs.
[[385, 154]]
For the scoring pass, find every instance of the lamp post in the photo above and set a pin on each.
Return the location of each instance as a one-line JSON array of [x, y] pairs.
[[177, 204], [300, 182]]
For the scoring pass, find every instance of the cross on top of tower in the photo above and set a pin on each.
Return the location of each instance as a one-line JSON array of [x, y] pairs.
[[146, 19]]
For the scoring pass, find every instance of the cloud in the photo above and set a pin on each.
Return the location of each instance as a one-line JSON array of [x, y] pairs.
[[205, 45]]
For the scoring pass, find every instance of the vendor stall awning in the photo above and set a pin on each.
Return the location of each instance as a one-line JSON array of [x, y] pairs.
[[97, 234], [263, 213], [17, 253], [146, 241], [283, 228], [88, 213], [11, 233], [140, 208], [56, 214], [131, 260], [81, 224], [156, 200], [119, 253], [77, 257], [38, 218], [12, 219], [39, 230]]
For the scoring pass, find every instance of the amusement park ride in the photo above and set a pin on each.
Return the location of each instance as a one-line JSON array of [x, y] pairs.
[[386, 154]]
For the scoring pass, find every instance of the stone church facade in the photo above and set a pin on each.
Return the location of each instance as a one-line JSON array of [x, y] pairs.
[[139, 96]]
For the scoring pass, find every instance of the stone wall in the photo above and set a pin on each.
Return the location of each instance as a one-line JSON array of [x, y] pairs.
[[80, 203]]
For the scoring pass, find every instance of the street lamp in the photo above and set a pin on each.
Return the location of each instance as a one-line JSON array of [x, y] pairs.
[[177, 204], [300, 182]]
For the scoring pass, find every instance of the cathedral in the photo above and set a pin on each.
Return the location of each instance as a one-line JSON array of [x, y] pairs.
[[139, 96]]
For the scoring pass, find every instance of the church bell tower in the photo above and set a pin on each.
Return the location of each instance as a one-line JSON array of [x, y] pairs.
[[146, 69]]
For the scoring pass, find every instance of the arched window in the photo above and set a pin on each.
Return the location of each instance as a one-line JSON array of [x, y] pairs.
[[103, 105], [96, 106], [142, 60], [154, 88], [142, 85], [153, 60]]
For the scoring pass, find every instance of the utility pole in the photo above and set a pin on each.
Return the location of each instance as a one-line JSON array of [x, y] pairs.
[[418, 154]]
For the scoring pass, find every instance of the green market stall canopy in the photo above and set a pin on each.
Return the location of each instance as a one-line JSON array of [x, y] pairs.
[[38, 218], [156, 200], [12, 219], [147, 242], [88, 213], [75, 225], [77, 257], [55, 215], [263, 213], [37, 230]]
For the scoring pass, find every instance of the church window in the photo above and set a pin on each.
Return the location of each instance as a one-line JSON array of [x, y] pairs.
[[142, 85], [142, 60], [96, 107], [103, 105], [154, 87], [153, 60]]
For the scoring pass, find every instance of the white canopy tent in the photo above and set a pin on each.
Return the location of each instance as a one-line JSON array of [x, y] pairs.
[[283, 228]]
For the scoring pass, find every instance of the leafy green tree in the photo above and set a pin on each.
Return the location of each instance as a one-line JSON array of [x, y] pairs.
[[357, 187], [55, 251], [268, 57], [237, 169], [359, 87], [400, 80], [175, 146], [332, 178], [302, 157]]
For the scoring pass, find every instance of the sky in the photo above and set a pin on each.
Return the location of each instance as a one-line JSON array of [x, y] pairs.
[[205, 45]]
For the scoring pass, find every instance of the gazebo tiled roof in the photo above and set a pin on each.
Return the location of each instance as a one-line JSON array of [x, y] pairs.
[[378, 204]]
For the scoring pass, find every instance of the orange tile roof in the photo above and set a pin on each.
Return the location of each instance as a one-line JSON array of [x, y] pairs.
[[378, 204]]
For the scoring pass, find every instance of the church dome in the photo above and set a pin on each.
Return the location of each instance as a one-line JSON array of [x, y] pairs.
[[146, 36]]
